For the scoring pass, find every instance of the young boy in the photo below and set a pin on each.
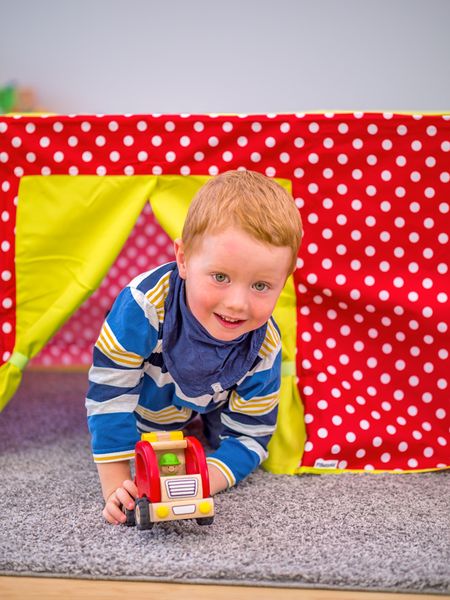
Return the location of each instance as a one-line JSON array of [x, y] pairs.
[[196, 336]]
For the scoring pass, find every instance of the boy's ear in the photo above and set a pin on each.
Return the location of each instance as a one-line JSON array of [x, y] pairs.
[[180, 257]]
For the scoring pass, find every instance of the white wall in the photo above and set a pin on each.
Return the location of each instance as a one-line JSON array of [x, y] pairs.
[[230, 56]]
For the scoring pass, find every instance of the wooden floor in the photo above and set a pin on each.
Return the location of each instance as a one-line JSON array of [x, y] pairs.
[[41, 588]]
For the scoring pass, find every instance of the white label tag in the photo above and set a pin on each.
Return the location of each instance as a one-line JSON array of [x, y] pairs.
[[325, 464]]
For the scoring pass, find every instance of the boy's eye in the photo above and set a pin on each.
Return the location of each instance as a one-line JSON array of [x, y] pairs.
[[260, 286], [220, 277]]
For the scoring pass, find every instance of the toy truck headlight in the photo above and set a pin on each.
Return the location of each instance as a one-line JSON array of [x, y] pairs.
[[205, 507], [162, 512]]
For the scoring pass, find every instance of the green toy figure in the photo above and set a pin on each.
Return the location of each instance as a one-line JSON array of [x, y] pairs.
[[169, 464]]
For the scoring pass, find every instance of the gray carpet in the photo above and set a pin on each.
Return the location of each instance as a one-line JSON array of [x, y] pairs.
[[368, 532]]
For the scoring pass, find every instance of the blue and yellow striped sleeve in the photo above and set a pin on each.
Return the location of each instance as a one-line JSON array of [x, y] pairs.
[[128, 335]]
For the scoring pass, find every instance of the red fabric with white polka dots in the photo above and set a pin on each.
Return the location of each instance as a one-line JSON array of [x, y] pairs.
[[372, 281]]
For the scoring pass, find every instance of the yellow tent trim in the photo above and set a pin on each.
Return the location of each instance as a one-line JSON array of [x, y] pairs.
[[317, 471]]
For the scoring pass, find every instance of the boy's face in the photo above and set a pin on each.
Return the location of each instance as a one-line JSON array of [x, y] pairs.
[[232, 281]]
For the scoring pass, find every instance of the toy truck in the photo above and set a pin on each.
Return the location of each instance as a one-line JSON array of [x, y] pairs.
[[172, 480]]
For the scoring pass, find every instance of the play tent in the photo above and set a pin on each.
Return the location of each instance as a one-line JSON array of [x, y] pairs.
[[365, 317]]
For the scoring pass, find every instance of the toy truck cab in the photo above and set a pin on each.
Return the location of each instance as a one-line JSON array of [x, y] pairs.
[[172, 480]]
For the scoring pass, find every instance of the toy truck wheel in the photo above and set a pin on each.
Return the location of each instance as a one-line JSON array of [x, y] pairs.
[[142, 514], [130, 518], [205, 520]]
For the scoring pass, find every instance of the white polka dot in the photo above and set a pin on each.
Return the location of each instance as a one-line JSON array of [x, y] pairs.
[[322, 432], [7, 303], [441, 413], [6, 327], [270, 142], [142, 156]]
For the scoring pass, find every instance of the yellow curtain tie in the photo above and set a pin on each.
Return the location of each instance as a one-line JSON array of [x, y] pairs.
[[19, 360], [288, 368]]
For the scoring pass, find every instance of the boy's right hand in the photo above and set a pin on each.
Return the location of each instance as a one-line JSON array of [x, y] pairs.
[[122, 496]]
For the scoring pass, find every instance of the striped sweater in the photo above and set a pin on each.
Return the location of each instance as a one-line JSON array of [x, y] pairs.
[[131, 391]]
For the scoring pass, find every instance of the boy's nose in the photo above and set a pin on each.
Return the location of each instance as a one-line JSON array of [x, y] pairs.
[[236, 302]]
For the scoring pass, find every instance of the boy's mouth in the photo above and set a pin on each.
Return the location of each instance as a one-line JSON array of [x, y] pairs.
[[228, 321]]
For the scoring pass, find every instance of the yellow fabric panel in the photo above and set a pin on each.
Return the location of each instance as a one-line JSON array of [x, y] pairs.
[[10, 378], [69, 232], [171, 199], [287, 443], [170, 203]]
